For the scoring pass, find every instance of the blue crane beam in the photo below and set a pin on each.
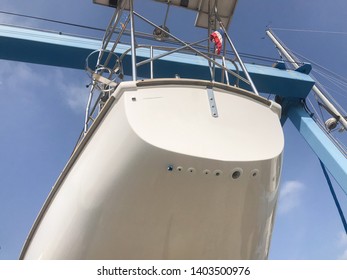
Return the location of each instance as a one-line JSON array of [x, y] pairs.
[[319, 141], [56, 49]]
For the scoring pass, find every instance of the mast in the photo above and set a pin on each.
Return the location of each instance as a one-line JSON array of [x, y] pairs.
[[339, 117], [318, 139]]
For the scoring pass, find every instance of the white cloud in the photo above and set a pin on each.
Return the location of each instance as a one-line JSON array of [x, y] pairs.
[[14, 74], [21, 81], [72, 91], [27, 82], [24, 74], [343, 238], [343, 245], [76, 97], [343, 255], [290, 196], [9, 16]]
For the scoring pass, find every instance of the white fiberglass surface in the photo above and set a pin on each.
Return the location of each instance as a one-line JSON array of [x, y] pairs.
[[127, 198]]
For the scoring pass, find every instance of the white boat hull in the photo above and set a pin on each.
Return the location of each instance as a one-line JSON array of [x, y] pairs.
[[159, 177]]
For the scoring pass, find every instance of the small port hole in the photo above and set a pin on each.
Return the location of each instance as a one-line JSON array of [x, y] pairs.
[[236, 175]]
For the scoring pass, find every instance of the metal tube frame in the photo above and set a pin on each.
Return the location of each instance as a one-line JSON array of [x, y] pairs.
[[133, 45], [194, 49], [239, 60], [167, 53]]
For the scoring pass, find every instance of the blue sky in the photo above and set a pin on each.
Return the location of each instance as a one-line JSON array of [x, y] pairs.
[[42, 111]]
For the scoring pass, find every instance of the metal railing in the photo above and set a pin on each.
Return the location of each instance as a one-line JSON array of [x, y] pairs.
[[105, 77]]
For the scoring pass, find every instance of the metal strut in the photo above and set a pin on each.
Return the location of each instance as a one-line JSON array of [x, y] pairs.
[[133, 46], [239, 60], [212, 101]]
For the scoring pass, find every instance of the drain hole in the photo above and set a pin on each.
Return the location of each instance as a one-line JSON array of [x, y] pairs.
[[254, 173], [236, 174], [191, 170]]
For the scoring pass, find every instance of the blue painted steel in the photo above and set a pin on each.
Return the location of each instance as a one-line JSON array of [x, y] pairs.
[[320, 143], [306, 69], [280, 65], [56, 49], [33, 46]]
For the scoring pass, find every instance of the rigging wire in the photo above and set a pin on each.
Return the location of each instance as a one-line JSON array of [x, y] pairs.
[[332, 191], [319, 107], [334, 90], [333, 77], [53, 21], [340, 146], [341, 109], [144, 35], [321, 87], [309, 31], [247, 55], [315, 112], [317, 65]]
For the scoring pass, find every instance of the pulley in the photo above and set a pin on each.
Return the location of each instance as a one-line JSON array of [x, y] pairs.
[[331, 124], [161, 33]]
